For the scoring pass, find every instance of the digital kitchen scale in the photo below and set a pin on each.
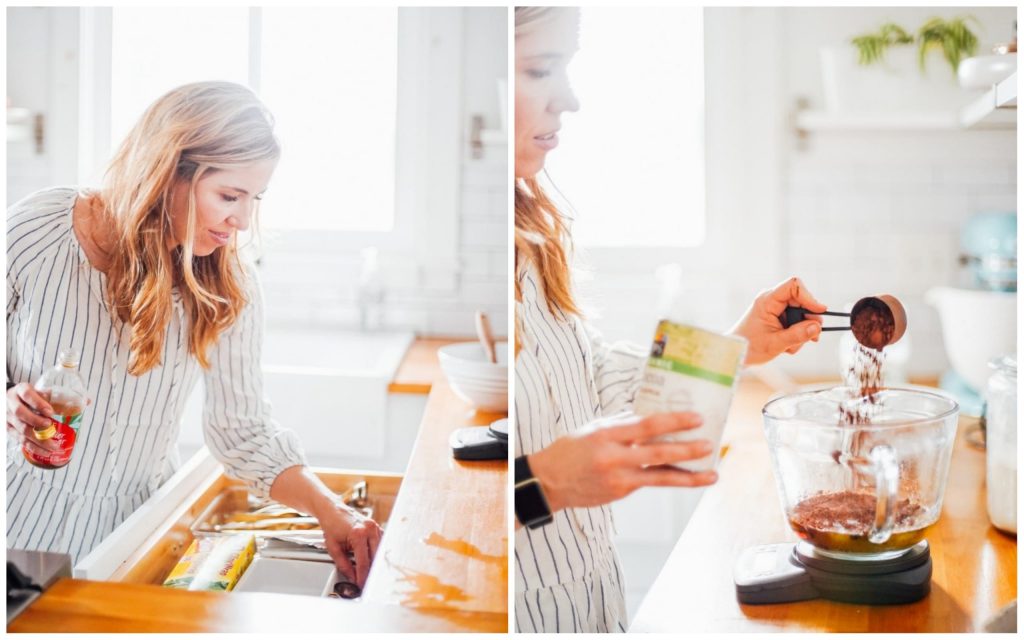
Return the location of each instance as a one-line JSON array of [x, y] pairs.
[[791, 572], [479, 443]]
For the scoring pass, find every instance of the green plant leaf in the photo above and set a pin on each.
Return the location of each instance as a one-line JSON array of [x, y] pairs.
[[953, 37], [871, 47]]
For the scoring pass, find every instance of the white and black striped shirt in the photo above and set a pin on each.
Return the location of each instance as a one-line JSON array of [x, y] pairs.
[[127, 443], [568, 577]]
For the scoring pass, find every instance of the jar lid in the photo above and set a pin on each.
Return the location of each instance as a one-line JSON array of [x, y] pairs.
[[1006, 364]]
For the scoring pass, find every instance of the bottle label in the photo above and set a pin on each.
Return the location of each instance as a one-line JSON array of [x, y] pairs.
[[67, 432]]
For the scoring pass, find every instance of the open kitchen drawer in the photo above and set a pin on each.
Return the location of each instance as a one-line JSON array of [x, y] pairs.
[[147, 545]]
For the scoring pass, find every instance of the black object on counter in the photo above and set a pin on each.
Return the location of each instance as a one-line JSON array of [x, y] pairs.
[[29, 573], [478, 443], [788, 572]]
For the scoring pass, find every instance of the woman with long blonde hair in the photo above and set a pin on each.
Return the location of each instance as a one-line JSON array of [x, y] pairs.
[[577, 447], [143, 279]]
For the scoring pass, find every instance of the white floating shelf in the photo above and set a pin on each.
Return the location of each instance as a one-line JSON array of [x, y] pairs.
[[995, 109], [895, 121]]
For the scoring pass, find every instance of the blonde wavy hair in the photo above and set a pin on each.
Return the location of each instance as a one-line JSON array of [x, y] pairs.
[[541, 232], [189, 132]]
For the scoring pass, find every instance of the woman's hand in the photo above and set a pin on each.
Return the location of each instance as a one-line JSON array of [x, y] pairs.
[[351, 539], [28, 410], [761, 326], [616, 456]]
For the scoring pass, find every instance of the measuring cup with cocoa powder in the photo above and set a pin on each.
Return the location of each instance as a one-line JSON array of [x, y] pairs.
[[876, 321]]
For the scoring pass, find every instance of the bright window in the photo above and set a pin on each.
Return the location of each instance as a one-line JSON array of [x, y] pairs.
[[329, 76], [154, 49], [630, 162]]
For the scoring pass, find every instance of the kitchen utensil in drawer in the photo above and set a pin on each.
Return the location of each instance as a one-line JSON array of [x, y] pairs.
[[291, 547], [236, 510]]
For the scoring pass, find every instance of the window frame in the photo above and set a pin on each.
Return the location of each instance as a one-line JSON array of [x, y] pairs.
[[428, 134]]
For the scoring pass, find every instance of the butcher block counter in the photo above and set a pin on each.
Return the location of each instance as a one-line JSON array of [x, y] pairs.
[[442, 565], [974, 565]]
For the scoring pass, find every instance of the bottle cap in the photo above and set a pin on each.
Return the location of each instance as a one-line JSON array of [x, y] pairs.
[[69, 358], [45, 433]]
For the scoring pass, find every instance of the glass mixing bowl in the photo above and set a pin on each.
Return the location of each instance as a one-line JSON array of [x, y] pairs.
[[861, 492]]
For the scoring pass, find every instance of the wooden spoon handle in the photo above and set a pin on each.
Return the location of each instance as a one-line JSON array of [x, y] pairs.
[[483, 332]]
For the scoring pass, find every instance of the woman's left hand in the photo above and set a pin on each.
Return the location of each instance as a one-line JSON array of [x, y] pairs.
[[348, 532], [761, 326]]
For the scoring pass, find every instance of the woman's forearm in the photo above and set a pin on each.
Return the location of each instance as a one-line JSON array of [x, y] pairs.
[[299, 488]]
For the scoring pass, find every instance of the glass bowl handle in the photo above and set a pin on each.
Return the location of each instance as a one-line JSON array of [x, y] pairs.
[[886, 468]]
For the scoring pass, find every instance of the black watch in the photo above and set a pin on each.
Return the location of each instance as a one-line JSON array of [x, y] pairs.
[[532, 508]]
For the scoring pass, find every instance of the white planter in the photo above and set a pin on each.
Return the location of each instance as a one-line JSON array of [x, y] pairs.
[[896, 84]]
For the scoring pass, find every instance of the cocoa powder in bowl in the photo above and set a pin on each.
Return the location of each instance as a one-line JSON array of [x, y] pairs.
[[848, 512], [842, 521]]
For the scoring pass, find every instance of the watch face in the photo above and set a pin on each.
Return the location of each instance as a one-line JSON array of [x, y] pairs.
[[531, 507]]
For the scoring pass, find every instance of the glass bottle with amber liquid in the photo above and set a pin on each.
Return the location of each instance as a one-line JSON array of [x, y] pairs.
[[64, 389]]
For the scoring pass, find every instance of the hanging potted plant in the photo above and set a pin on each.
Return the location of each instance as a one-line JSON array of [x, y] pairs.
[[953, 38], [891, 68]]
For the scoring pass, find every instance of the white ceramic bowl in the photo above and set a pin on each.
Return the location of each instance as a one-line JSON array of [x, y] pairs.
[[976, 327], [483, 399], [982, 72], [472, 385], [481, 383], [467, 359]]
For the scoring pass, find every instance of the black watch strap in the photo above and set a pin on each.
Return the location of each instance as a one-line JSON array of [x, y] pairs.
[[532, 508]]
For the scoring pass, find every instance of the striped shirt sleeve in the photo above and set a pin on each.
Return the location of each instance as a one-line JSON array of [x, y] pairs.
[[237, 423], [618, 370]]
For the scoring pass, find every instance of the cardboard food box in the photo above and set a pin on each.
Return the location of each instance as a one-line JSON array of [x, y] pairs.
[[213, 563]]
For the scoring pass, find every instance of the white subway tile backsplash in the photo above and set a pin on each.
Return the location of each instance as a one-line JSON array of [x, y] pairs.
[[486, 232], [476, 265], [975, 173], [485, 174], [322, 288], [992, 198], [475, 203]]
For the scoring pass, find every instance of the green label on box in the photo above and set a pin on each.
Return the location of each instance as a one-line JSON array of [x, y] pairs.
[[697, 353]]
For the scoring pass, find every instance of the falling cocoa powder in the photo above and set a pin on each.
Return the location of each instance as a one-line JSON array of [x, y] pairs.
[[864, 379]]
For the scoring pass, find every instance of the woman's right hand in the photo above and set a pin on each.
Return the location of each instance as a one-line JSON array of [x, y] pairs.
[[27, 410], [615, 457]]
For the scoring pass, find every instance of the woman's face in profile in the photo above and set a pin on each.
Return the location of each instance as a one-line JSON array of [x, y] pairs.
[[225, 201], [543, 50]]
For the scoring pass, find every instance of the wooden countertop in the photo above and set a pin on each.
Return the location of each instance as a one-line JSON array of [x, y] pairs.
[[442, 564], [446, 545], [974, 565], [419, 368], [75, 606]]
